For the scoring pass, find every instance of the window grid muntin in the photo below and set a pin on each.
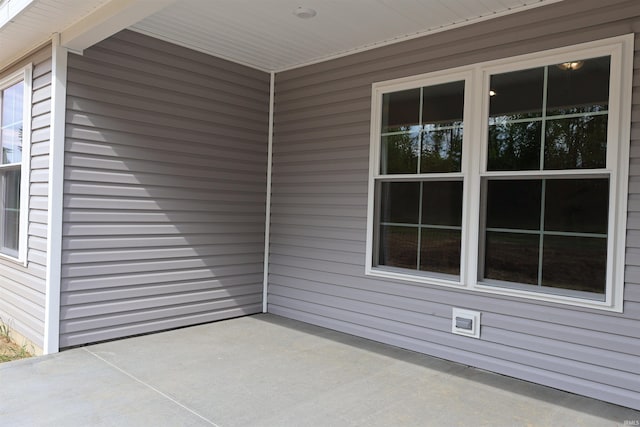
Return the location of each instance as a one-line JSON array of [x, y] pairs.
[[545, 232], [543, 128], [542, 209]]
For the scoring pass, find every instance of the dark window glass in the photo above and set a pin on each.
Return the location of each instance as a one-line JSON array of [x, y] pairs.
[[577, 263], [577, 205], [570, 206], [514, 204], [400, 110], [576, 143], [398, 246], [578, 86], [442, 113], [399, 202], [440, 251], [517, 95], [11, 210], [514, 146], [441, 150], [512, 257], [400, 153], [443, 104], [442, 203]]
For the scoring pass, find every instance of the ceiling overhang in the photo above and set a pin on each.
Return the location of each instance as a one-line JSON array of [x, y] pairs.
[[266, 35], [108, 20]]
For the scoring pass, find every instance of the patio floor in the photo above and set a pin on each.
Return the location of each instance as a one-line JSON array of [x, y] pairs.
[[265, 370]]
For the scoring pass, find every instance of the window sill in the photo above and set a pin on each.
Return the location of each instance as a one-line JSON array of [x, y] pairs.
[[401, 275], [16, 260]]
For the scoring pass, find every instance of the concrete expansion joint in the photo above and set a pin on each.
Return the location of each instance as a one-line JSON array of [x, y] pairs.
[[149, 386]]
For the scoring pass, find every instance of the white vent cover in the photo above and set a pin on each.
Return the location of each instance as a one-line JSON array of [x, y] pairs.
[[465, 322]]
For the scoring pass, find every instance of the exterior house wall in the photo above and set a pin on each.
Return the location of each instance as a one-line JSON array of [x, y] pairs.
[[319, 216], [164, 192], [22, 288]]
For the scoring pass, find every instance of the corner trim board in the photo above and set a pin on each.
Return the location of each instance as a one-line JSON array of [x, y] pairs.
[[54, 197], [267, 216]]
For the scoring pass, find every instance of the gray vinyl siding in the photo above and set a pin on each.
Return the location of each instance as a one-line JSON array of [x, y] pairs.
[[164, 191], [22, 289], [319, 209]]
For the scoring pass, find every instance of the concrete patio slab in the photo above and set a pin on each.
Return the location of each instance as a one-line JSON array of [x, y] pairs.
[[265, 370]]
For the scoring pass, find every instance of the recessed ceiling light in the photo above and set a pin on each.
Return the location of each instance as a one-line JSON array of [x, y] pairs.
[[305, 12], [571, 66]]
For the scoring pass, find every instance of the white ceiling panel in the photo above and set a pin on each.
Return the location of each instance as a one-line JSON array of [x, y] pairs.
[[267, 35], [35, 24], [263, 34]]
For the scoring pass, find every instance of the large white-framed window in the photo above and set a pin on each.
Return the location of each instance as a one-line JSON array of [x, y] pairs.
[[508, 177], [15, 143]]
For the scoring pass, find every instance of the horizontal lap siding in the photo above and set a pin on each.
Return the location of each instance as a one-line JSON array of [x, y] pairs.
[[164, 192], [22, 289], [318, 230]]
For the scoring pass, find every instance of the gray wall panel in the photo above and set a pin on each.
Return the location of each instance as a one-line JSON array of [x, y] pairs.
[[320, 173], [22, 289], [164, 194]]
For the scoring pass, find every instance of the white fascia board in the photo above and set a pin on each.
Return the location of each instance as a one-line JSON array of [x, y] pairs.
[[108, 20], [10, 9]]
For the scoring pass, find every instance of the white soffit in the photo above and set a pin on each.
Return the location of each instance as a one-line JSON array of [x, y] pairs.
[[34, 25], [267, 35]]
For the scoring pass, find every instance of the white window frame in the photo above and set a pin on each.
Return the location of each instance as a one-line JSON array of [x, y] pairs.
[[24, 75], [474, 160]]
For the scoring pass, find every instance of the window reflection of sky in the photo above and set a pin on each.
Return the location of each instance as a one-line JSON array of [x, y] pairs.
[[12, 106]]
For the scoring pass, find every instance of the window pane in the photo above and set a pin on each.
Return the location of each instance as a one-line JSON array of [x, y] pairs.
[[442, 116], [399, 202], [400, 153], [578, 263], [400, 110], [512, 257], [11, 136], [440, 251], [11, 210], [442, 203], [514, 204], [517, 95], [577, 205], [443, 104], [441, 150], [514, 146], [578, 86], [398, 246], [576, 143]]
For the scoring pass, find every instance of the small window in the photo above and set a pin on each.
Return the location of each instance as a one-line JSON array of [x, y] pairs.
[[506, 177], [15, 95]]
